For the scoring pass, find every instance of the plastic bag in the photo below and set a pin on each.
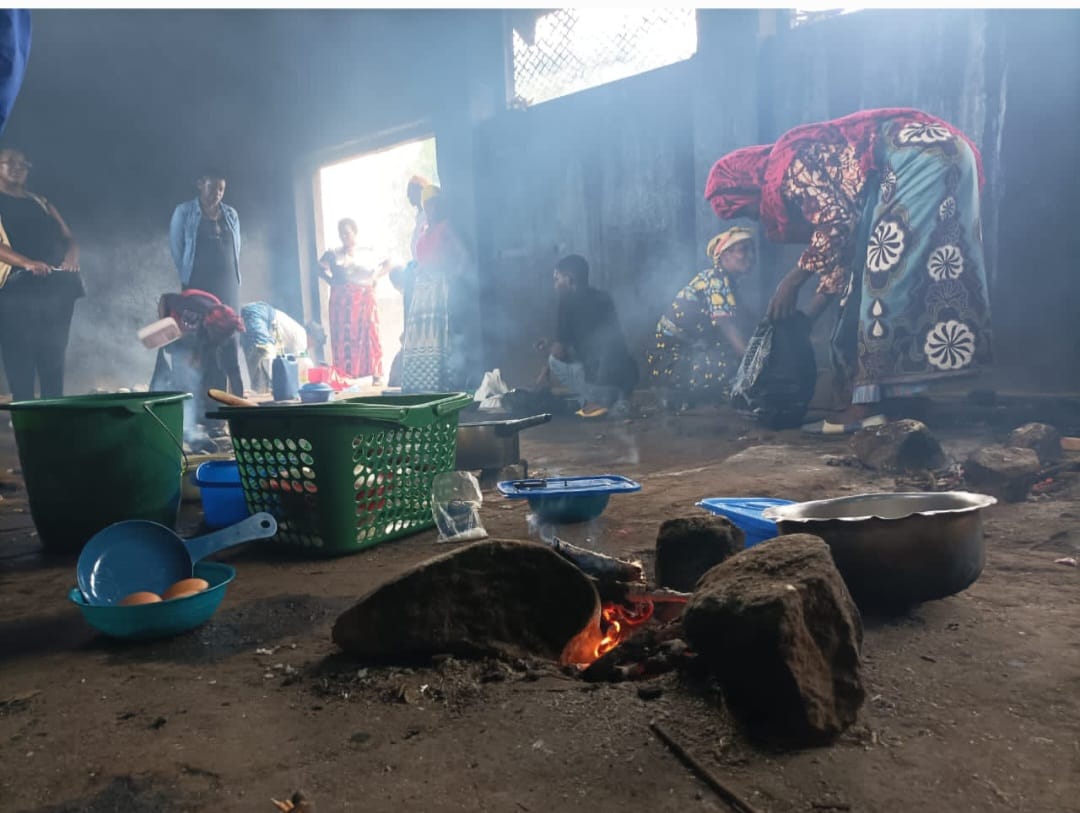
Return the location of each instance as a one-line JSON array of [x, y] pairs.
[[455, 505], [492, 388], [777, 376]]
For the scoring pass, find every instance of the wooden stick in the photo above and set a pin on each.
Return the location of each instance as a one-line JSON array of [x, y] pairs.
[[1059, 468], [229, 399], [708, 777]]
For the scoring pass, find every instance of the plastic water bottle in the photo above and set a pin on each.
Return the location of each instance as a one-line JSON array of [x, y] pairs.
[[304, 364]]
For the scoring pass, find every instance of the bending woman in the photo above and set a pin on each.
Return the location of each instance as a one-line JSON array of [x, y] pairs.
[[888, 201], [354, 317], [698, 345]]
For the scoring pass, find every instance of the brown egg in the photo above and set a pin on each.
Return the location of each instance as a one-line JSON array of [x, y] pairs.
[[185, 587], [141, 597]]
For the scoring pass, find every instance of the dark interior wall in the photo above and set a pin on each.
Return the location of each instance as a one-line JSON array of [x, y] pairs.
[[937, 61], [1010, 81], [1038, 290], [118, 112], [121, 109], [606, 173]]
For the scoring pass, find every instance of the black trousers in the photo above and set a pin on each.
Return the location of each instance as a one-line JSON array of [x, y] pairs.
[[34, 331]]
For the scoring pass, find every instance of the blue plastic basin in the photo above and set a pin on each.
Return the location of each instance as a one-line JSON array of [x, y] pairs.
[[745, 512], [222, 495], [161, 619], [566, 500]]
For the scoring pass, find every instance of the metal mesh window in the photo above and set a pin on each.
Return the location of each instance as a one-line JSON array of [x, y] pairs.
[[805, 16], [572, 49]]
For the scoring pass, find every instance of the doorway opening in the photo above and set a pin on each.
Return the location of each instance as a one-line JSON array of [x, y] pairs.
[[370, 188]]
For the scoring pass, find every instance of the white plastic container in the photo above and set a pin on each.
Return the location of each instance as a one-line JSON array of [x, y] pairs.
[[160, 333]]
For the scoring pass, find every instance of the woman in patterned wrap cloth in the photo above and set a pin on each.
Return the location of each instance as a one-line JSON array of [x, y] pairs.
[[442, 325], [888, 201], [697, 345], [354, 316]]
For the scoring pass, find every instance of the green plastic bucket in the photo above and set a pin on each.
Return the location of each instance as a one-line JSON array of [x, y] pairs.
[[92, 460], [342, 476]]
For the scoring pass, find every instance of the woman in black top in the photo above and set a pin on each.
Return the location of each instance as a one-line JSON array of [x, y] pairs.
[[40, 279]]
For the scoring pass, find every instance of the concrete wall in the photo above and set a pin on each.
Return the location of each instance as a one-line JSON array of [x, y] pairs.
[[121, 109], [615, 173], [1010, 81]]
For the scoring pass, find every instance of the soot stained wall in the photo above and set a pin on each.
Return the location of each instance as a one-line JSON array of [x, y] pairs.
[[121, 109]]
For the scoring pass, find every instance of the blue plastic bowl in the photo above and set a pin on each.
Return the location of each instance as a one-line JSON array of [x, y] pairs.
[[566, 500], [745, 512], [315, 393], [221, 492], [143, 622], [566, 509]]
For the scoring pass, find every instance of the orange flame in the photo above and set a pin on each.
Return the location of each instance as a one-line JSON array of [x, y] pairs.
[[609, 628]]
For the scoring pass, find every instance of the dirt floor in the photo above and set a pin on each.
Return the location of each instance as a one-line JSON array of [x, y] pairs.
[[973, 702]]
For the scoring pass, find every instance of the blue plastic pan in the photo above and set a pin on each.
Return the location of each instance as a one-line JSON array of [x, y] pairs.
[[139, 555]]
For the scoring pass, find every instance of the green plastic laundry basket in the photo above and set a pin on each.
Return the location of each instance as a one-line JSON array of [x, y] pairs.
[[92, 460], [342, 476]]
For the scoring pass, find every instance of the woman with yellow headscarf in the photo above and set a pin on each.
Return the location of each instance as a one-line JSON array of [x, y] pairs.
[[698, 346]]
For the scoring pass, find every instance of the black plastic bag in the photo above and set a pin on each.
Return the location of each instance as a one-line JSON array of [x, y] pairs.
[[777, 376]]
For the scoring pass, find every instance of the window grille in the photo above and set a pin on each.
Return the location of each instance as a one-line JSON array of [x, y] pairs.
[[805, 16], [573, 49]]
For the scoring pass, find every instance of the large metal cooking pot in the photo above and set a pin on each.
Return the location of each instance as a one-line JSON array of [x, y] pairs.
[[896, 549], [486, 445]]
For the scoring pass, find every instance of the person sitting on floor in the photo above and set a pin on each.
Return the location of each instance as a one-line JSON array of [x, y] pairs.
[[589, 357], [698, 346]]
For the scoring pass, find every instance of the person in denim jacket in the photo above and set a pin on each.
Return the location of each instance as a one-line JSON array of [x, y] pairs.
[[204, 238]]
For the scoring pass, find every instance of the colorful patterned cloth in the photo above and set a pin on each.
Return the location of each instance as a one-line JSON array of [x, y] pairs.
[[426, 352], [354, 330], [888, 201], [426, 349], [690, 354]]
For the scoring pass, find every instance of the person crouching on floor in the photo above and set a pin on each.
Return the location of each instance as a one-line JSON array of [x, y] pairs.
[[589, 357], [698, 346]]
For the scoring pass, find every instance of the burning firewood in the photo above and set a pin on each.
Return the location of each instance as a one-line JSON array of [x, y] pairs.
[[299, 803], [599, 565]]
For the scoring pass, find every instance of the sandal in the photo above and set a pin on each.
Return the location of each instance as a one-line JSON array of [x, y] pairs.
[[828, 428], [595, 412]]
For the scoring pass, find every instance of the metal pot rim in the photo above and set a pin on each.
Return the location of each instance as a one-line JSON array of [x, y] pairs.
[[798, 512]]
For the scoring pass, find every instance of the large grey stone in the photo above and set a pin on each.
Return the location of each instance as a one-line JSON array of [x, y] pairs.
[[687, 547], [496, 597], [1005, 473], [898, 446], [1041, 438], [777, 626]]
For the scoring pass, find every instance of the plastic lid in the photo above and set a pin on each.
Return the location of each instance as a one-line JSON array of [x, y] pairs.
[[746, 512], [561, 486]]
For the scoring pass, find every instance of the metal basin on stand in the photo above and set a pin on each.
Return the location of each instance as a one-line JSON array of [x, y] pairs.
[[488, 446]]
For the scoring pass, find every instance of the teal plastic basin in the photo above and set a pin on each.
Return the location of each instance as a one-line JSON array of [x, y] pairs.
[[162, 619]]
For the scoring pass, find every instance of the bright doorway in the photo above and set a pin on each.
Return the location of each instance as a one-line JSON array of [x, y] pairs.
[[370, 188]]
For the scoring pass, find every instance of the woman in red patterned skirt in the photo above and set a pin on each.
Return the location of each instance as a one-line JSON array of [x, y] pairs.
[[354, 318]]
